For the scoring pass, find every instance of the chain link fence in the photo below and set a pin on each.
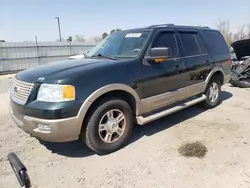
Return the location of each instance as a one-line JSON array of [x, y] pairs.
[[16, 56]]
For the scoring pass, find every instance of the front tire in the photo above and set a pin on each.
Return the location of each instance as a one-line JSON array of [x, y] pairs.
[[212, 92], [109, 126]]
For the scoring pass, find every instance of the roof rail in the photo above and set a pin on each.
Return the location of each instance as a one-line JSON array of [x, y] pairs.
[[172, 25], [161, 25], [193, 26]]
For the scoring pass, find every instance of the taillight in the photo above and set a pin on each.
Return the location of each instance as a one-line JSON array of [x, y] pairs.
[[229, 62]]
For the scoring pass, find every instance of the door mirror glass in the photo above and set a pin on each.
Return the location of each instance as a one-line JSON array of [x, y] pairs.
[[159, 54]]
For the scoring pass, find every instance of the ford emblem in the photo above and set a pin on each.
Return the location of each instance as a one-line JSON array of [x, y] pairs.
[[16, 89]]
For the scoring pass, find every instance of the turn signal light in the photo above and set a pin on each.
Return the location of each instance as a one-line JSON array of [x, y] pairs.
[[159, 60]]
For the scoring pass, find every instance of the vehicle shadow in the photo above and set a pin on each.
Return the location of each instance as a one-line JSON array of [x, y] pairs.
[[172, 119], [79, 149], [72, 149]]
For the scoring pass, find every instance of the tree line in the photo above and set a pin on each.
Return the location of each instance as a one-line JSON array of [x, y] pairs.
[[242, 32], [96, 39]]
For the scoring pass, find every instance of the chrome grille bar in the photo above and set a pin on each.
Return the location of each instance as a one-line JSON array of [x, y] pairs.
[[21, 90]]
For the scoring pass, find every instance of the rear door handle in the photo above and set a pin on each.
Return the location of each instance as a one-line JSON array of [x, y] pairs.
[[178, 67]]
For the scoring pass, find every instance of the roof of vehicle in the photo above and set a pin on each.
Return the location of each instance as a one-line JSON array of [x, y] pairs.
[[172, 26], [177, 26]]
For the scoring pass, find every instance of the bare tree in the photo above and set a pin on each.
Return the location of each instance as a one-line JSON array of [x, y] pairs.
[[224, 27], [242, 32], [236, 36], [97, 39], [79, 38], [248, 31]]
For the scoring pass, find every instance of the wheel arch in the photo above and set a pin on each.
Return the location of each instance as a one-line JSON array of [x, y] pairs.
[[113, 90], [216, 72]]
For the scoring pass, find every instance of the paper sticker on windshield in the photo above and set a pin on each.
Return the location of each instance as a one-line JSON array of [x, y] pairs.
[[133, 35]]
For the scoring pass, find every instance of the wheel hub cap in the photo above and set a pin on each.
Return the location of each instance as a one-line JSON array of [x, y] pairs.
[[112, 126], [213, 92]]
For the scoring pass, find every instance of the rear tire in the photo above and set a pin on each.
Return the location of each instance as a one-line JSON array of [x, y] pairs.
[[212, 92], [109, 126]]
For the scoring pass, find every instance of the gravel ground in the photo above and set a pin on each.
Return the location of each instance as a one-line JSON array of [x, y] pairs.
[[151, 159]]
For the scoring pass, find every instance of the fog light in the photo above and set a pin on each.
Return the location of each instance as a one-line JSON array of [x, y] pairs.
[[44, 127]]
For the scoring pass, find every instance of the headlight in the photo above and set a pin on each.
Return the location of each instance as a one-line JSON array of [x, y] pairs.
[[56, 93]]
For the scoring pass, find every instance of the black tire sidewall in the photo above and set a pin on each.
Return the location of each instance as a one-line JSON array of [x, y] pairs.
[[208, 103], [93, 139]]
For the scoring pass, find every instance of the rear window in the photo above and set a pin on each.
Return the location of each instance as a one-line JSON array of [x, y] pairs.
[[215, 42]]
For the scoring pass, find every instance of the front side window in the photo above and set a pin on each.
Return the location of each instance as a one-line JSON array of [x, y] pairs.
[[191, 44], [166, 40], [124, 44]]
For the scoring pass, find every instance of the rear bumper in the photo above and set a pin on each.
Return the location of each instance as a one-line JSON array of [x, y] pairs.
[[227, 78], [62, 130]]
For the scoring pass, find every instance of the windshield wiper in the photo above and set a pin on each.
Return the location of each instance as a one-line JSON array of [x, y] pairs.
[[100, 55]]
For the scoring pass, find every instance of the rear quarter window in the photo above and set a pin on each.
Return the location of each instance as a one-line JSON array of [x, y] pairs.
[[215, 42]]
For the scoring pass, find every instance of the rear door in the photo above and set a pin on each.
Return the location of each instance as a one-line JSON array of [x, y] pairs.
[[194, 54]]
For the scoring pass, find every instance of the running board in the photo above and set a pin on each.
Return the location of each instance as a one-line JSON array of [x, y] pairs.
[[143, 120]]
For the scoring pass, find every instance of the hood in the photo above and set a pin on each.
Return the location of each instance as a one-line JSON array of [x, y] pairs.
[[43, 71], [81, 56], [241, 48]]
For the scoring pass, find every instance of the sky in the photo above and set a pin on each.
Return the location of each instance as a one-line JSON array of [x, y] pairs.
[[22, 20]]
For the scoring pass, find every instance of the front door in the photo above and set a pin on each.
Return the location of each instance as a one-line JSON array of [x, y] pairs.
[[163, 82]]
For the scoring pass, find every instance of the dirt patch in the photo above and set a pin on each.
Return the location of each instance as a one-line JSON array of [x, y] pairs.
[[195, 149], [151, 159]]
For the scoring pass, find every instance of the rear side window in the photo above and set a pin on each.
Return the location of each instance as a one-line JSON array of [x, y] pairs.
[[215, 42], [166, 40], [192, 44]]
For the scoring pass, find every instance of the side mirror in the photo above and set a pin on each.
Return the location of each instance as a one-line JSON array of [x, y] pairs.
[[19, 170], [159, 54]]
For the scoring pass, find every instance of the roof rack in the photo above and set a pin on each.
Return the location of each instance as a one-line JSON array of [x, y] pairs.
[[161, 25], [171, 25]]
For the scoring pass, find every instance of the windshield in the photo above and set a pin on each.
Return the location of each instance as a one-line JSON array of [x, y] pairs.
[[123, 44]]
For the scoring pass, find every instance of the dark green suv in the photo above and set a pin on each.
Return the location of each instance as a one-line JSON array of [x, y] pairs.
[[131, 77]]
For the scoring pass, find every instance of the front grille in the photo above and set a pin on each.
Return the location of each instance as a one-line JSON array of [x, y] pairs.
[[21, 90]]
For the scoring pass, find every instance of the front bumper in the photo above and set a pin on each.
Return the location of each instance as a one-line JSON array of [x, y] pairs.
[[62, 130]]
